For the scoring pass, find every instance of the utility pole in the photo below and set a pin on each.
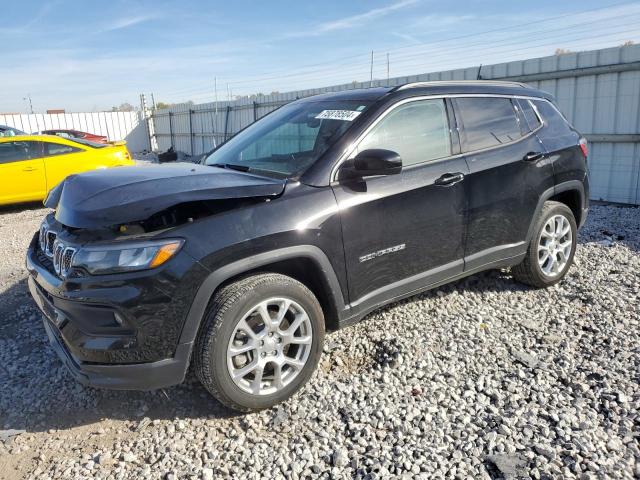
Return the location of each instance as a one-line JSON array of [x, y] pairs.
[[28, 97], [215, 93], [148, 121], [387, 69], [215, 108], [153, 102], [371, 71]]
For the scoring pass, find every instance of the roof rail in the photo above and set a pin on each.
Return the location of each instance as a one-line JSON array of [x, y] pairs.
[[496, 83]]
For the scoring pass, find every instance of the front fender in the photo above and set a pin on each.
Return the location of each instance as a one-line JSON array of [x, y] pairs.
[[221, 275]]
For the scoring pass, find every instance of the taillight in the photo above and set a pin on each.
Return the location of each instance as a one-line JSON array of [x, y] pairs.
[[584, 146]]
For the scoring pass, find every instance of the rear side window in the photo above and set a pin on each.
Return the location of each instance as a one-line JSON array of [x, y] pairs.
[[418, 131], [51, 149], [487, 122]]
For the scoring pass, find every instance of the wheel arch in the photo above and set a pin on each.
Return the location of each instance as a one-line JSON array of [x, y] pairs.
[[572, 198], [306, 263], [570, 193]]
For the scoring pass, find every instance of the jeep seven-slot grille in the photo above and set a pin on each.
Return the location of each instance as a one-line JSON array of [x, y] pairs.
[[54, 255], [46, 239]]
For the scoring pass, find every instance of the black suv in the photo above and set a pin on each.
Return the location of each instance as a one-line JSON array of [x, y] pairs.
[[308, 219]]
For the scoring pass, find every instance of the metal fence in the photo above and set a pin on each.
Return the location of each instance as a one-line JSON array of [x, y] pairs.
[[127, 126], [598, 91]]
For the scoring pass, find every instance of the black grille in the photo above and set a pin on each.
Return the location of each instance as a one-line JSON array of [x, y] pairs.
[[51, 238], [44, 260], [54, 254], [66, 260]]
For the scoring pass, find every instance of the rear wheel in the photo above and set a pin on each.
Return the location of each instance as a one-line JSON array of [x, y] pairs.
[[551, 249], [260, 342]]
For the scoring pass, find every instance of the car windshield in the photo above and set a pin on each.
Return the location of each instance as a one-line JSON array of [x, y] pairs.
[[10, 132], [288, 141]]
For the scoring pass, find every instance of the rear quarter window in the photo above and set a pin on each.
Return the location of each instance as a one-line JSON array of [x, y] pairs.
[[53, 149], [487, 122], [553, 118]]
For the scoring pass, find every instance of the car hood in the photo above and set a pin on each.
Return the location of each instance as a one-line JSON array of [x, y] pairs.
[[102, 198]]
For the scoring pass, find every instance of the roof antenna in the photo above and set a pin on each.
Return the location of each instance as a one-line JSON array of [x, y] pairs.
[[479, 76]]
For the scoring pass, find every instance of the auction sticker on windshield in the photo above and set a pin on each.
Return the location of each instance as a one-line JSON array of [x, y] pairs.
[[346, 115]]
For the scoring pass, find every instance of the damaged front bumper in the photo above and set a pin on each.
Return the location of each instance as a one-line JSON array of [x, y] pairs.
[[140, 376], [143, 352]]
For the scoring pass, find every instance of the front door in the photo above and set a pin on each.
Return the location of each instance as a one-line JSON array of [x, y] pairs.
[[402, 232], [22, 175]]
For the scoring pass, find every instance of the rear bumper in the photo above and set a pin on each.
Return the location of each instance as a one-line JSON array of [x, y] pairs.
[[136, 376]]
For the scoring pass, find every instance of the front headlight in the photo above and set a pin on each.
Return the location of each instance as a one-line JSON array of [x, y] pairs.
[[126, 257]]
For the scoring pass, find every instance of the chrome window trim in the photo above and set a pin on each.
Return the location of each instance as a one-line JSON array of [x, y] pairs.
[[346, 154], [537, 113]]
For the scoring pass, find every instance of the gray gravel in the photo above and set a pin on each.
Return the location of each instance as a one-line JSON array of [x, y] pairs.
[[484, 378]]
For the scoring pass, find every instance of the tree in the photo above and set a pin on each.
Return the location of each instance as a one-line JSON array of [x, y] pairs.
[[628, 43], [164, 105], [124, 107], [562, 51]]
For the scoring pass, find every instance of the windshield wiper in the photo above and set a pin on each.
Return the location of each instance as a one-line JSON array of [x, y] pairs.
[[231, 166]]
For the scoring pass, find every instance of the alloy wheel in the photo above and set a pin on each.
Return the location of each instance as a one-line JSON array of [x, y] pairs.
[[269, 346], [554, 245]]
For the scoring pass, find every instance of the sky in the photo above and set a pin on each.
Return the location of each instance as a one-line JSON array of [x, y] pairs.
[[91, 56]]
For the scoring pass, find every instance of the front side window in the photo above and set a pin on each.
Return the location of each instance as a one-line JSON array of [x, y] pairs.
[[486, 122], [418, 131], [288, 141], [18, 151]]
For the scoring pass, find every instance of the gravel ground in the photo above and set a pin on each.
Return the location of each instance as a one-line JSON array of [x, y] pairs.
[[483, 378]]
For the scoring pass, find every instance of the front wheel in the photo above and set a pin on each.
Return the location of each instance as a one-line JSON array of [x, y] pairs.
[[551, 249], [260, 342]]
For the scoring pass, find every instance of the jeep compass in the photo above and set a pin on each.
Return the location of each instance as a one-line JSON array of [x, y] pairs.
[[303, 222]]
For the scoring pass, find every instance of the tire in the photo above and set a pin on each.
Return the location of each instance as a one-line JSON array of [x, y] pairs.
[[268, 350], [530, 271]]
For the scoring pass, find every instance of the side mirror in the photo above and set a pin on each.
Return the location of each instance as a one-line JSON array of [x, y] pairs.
[[377, 161]]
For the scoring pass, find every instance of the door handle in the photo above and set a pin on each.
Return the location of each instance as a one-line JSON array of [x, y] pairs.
[[449, 179], [28, 169], [533, 156]]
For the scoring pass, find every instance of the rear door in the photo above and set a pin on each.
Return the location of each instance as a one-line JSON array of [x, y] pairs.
[[22, 173], [509, 170], [404, 231]]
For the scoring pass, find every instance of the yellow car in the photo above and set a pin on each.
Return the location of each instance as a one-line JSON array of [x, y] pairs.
[[31, 165]]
